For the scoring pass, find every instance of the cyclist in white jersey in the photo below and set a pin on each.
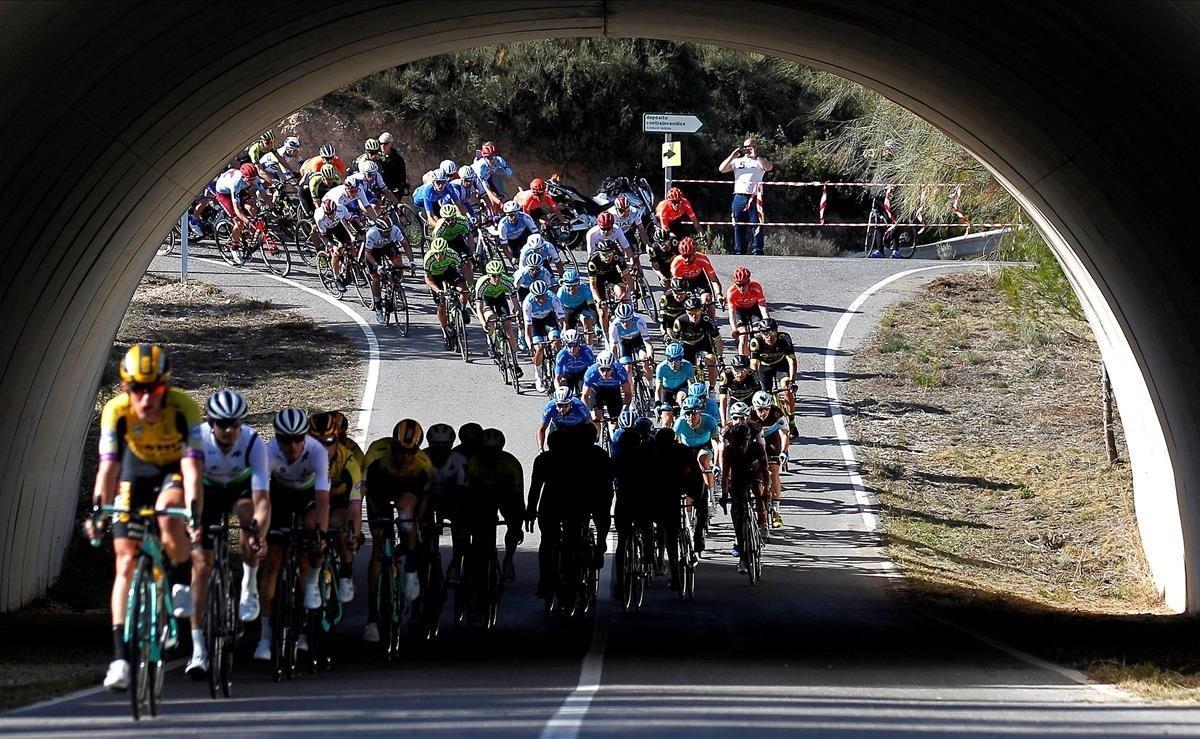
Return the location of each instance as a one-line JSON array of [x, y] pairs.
[[629, 219], [299, 468], [235, 479], [606, 230], [629, 339]]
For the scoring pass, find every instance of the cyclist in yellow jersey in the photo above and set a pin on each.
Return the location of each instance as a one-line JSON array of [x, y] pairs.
[[345, 492], [397, 475], [151, 454]]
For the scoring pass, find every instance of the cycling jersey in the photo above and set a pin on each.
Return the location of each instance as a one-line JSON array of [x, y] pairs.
[[449, 478], [688, 332], [595, 236], [576, 415], [531, 203], [486, 168], [436, 263], [274, 162], [630, 220], [325, 221], [668, 213], [618, 332], [674, 379], [508, 231], [370, 184], [175, 435], [488, 291], [257, 150], [581, 297], [318, 186], [376, 239], [671, 307], [541, 310], [245, 462], [526, 276], [341, 196], [751, 297], [567, 364], [686, 270], [310, 471], [593, 379], [738, 389], [451, 228], [700, 436], [231, 183], [386, 477], [603, 271], [771, 354], [428, 199], [315, 163], [346, 472], [547, 250]]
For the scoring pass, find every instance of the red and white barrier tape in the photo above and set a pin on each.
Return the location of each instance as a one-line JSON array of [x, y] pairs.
[[816, 224], [824, 201], [824, 184]]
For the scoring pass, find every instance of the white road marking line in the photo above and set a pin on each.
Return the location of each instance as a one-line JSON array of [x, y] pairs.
[[84, 693]]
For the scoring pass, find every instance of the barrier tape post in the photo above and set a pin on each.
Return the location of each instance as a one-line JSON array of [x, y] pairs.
[[184, 228], [824, 200]]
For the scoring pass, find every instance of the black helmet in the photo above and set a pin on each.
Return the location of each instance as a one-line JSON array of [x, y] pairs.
[[768, 324], [740, 362], [492, 440], [678, 283], [469, 433], [440, 434], [693, 303]]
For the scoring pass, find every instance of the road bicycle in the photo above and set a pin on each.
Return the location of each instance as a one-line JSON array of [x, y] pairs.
[[222, 627], [749, 530], [393, 297], [480, 585], [254, 237], [321, 620], [432, 578], [637, 565], [503, 353], [456, 321], [287, 615], [149, 628], [392, 606], [686, 558], [576, 575], [642, 295]]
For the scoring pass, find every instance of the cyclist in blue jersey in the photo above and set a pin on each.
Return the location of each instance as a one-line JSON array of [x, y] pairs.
[[606, 386], [531, 271], [704, 393], [431, 197], [629, 339], [536, 244], [491, 168], [698, 431], [563, 412], [572, 361], [543, 318], [514, 228], [578, 302], [671, 379]]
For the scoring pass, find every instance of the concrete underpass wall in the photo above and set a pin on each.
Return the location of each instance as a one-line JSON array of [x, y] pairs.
[[116, 114]]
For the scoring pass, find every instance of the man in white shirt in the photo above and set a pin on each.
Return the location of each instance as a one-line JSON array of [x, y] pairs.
[[748, 169]]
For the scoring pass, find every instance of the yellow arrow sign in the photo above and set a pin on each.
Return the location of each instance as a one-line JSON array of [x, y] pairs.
[[672, 154]]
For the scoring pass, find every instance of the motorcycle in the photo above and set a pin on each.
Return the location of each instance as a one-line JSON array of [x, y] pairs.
[[637, 189], [577, 210]]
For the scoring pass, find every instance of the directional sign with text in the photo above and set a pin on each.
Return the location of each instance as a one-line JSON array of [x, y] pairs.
[[669, 123], [672, 155]]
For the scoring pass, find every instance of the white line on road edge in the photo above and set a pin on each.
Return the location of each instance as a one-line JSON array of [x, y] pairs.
[[362, 428], [866, 500], [174, 664], [567, 722]]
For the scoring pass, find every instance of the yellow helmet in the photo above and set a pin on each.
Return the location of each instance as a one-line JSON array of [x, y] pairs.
[[326, 426], [146, 363], [408, 434]]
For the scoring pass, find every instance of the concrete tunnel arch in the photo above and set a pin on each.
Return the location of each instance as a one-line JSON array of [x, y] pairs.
[[115, 114]]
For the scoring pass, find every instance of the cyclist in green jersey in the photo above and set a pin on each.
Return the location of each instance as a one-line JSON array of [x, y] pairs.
[[454, 227], [442, 267], [493, 301]]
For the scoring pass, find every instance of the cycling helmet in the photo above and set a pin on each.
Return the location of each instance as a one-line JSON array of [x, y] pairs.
[[674, 194], [439, 244], [687, 246], [488, 149], [607, 246], [408, 434], [440, 177], [448, 167], [740, 362], [385, 138], [538, 289], [440, 434], [448, 210], [643, 426], [768, 324], [371, 146], [146, 363], [328, 206], [267, 137], [510, 207], [570, 276], [622, 202], [739, 410], [626, 418], [570, 337], [492, 440], [624, 312], [249, 170], [382, 223], [738, 434], [563, 395], [698, 390], [291, 421], [291, 142], [326, 426], [329, 173], [692, 403], [761, 399], [532, 259], [538, 186], [693, 303], [469, 433], [226, 405], [674, 351], [678, 283], [466, 173], [494, 267], [351, 183], [605, 359], [327, 151], [605, 221], [741, 275], [535, 241], [367, 166]]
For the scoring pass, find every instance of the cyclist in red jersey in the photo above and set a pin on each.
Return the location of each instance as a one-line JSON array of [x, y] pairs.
[[672, 211], [747, 303], [538, 203], [693, 267]]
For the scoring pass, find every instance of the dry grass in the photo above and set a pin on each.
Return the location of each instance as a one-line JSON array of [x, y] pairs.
[[216, 340]]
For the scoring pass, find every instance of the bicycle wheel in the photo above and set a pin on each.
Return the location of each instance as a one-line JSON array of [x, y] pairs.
[[462, 592], [214, 627], [274, 254], [396, 305], [413, 226], [279, 626], [301, 242], [138, 644], [645, 296], [513, 365], [460, 328], [567, 256], [385, 592], [756, 549], [169, 242], [494, 588], [222, 233], [747, 526], [325, 272], [229, 635], [628, 566], [904, 242], [359, 275], [160, 628]]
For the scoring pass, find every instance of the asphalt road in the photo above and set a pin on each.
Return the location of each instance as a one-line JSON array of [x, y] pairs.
[[821, 647]]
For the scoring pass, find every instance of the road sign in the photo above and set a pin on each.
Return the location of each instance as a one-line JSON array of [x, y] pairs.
[[670, 123], [672, 154]]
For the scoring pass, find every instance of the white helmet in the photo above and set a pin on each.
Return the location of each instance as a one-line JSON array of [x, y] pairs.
[[448, 166], [762, 399], [466, 173], [291, 142], [532, 259], [367, 167], [606, 359], [510, 206], [563, 395], [535, 241], [739, 410], [570, 337]]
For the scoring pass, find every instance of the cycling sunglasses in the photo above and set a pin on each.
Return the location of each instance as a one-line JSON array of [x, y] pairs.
[[226, 424], [147, 388], [289, 439]]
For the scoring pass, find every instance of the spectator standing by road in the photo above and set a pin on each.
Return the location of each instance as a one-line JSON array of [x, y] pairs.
[[748, 169], [392, 166]]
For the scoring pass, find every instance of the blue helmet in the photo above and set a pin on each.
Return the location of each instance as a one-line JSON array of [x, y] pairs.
[[643, 426], [674, 351], [692, 403], [698, 390], [570, 276]]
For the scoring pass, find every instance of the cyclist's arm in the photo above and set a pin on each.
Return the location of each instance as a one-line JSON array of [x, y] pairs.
[[354, 516], [260, 484], [321, 487]]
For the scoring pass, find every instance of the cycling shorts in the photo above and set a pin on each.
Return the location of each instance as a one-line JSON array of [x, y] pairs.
[[572, 315], [379, 254], [768, 374], [544, 328], [219, 502], [139, 486], [610, 399], [632, 347], [607, 277], [745, 316], [691, 351], [450, 276], [227, 202], [284, 502], [338, 234]]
